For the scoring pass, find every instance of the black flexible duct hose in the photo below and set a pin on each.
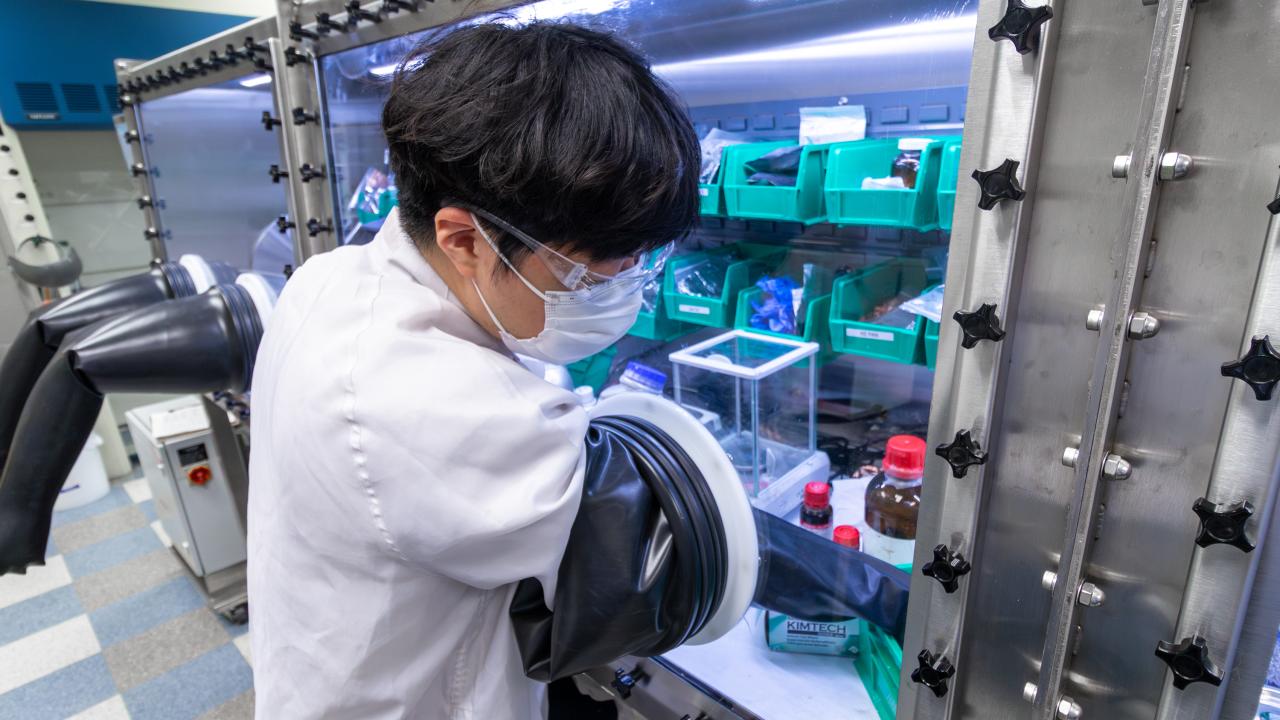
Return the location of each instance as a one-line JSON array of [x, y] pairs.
[[46, 327], [809, 577], [645, 566], [196, 344], [56, 274]]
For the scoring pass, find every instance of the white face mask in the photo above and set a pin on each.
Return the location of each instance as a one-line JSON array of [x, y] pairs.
[[573, 327]]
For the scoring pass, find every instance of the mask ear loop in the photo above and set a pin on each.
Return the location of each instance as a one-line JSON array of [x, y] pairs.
[[493, 246]]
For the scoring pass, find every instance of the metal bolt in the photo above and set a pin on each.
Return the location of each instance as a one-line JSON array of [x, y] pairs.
[[1143, 325], [1116, 468], [1093, 321], [1069, 709], [1070, 456], [1048, 580], [1120, 166], [1029, 692], [1175, 166], [1091, 595]]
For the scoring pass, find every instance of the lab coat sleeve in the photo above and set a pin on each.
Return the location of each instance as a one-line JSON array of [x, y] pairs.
[[471, 466]]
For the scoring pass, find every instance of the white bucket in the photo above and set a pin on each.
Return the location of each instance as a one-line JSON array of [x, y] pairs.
[[88, 479]]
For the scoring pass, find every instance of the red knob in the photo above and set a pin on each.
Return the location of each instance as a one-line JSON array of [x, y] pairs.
[[199, 475]]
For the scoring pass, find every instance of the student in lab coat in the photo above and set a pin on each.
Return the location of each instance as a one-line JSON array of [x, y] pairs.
[[406, 470]]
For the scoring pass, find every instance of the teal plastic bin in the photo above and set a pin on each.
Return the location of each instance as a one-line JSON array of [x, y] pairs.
[[931, 330], [711, 195], [879, 664], [817, 314], [802, 203], [856, 295], [657, 325], [718, 311], [848, 204], [593, 370], [947, 179]]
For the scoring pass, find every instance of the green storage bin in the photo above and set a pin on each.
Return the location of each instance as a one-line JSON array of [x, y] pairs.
[[849, 204], [657, 325], [879, 664], [931, 329], [593, 370], [948, 177], [717, 311], [711, 195], [856, 295], [817, 317], [802, 203]]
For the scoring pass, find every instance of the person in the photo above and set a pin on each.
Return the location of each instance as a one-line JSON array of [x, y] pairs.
[[406, 469]]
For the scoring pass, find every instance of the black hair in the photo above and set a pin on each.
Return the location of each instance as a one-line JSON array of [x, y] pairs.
[[561, 131]]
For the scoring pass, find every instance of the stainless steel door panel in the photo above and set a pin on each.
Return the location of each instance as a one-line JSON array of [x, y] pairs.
[[1209, 233], [1101, 57]]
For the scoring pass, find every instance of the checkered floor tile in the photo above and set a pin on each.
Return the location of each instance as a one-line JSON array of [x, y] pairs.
[[113, 627]]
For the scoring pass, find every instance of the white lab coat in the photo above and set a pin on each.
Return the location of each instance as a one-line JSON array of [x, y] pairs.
[[405, 472]]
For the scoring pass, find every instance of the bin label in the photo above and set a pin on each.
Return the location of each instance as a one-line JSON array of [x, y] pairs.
[[868, 334], [704, 192], [695, 309]]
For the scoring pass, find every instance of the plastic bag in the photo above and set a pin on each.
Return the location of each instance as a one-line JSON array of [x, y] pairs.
[[713, 146], [890, 313], [649, 295], [778, 168], [776, 310], [928, 305], [704, 278], [840, 123]]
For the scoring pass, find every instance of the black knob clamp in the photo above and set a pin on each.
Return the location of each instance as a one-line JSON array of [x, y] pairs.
[[947, 568], [981, 324], [276, 173], [390, 7], [999, 184], [933, 672], [234, 54], [268, 122], [307, 172], [252, 47], [1274, 206], [145, 202], [283, 224], [215, 60], [132, 136], [962, 453], [625, 681], [297, 32], [137, 169], [315, 227], [1223, 524], [1021, 26], [302, 117], [355, 13], [1190, 662], [1259, 368], [325, 24], [293, 56]]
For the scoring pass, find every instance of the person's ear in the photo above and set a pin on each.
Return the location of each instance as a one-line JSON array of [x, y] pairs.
[[459, 240]]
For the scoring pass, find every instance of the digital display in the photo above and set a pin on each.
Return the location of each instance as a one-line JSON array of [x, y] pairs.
[[192, 455]]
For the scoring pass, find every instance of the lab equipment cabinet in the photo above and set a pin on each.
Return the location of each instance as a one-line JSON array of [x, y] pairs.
[[1096, 388]]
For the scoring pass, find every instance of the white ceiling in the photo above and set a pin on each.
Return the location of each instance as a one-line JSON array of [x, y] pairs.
[[250, 8]]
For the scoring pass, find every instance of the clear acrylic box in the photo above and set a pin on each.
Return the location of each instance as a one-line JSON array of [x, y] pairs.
[[758, 395]]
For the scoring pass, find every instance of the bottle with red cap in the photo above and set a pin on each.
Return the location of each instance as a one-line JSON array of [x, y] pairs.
[[815, 514], [893, 501]]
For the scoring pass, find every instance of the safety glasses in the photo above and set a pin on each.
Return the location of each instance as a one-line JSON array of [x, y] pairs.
[[575, 276]]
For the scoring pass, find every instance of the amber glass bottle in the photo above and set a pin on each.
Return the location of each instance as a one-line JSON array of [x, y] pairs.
[[893, 501]]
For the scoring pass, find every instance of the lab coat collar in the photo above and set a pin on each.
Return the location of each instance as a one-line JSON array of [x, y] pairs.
[[397, 249]]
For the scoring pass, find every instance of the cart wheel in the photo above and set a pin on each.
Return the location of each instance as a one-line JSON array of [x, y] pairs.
[[238, 614]]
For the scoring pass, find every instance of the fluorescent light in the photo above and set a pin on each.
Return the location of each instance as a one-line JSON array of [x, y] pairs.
[[255, 80], [867, 43], [384, 70], [555, 9]]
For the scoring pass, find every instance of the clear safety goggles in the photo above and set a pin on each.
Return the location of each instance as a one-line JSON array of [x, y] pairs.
[[575, 276]]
